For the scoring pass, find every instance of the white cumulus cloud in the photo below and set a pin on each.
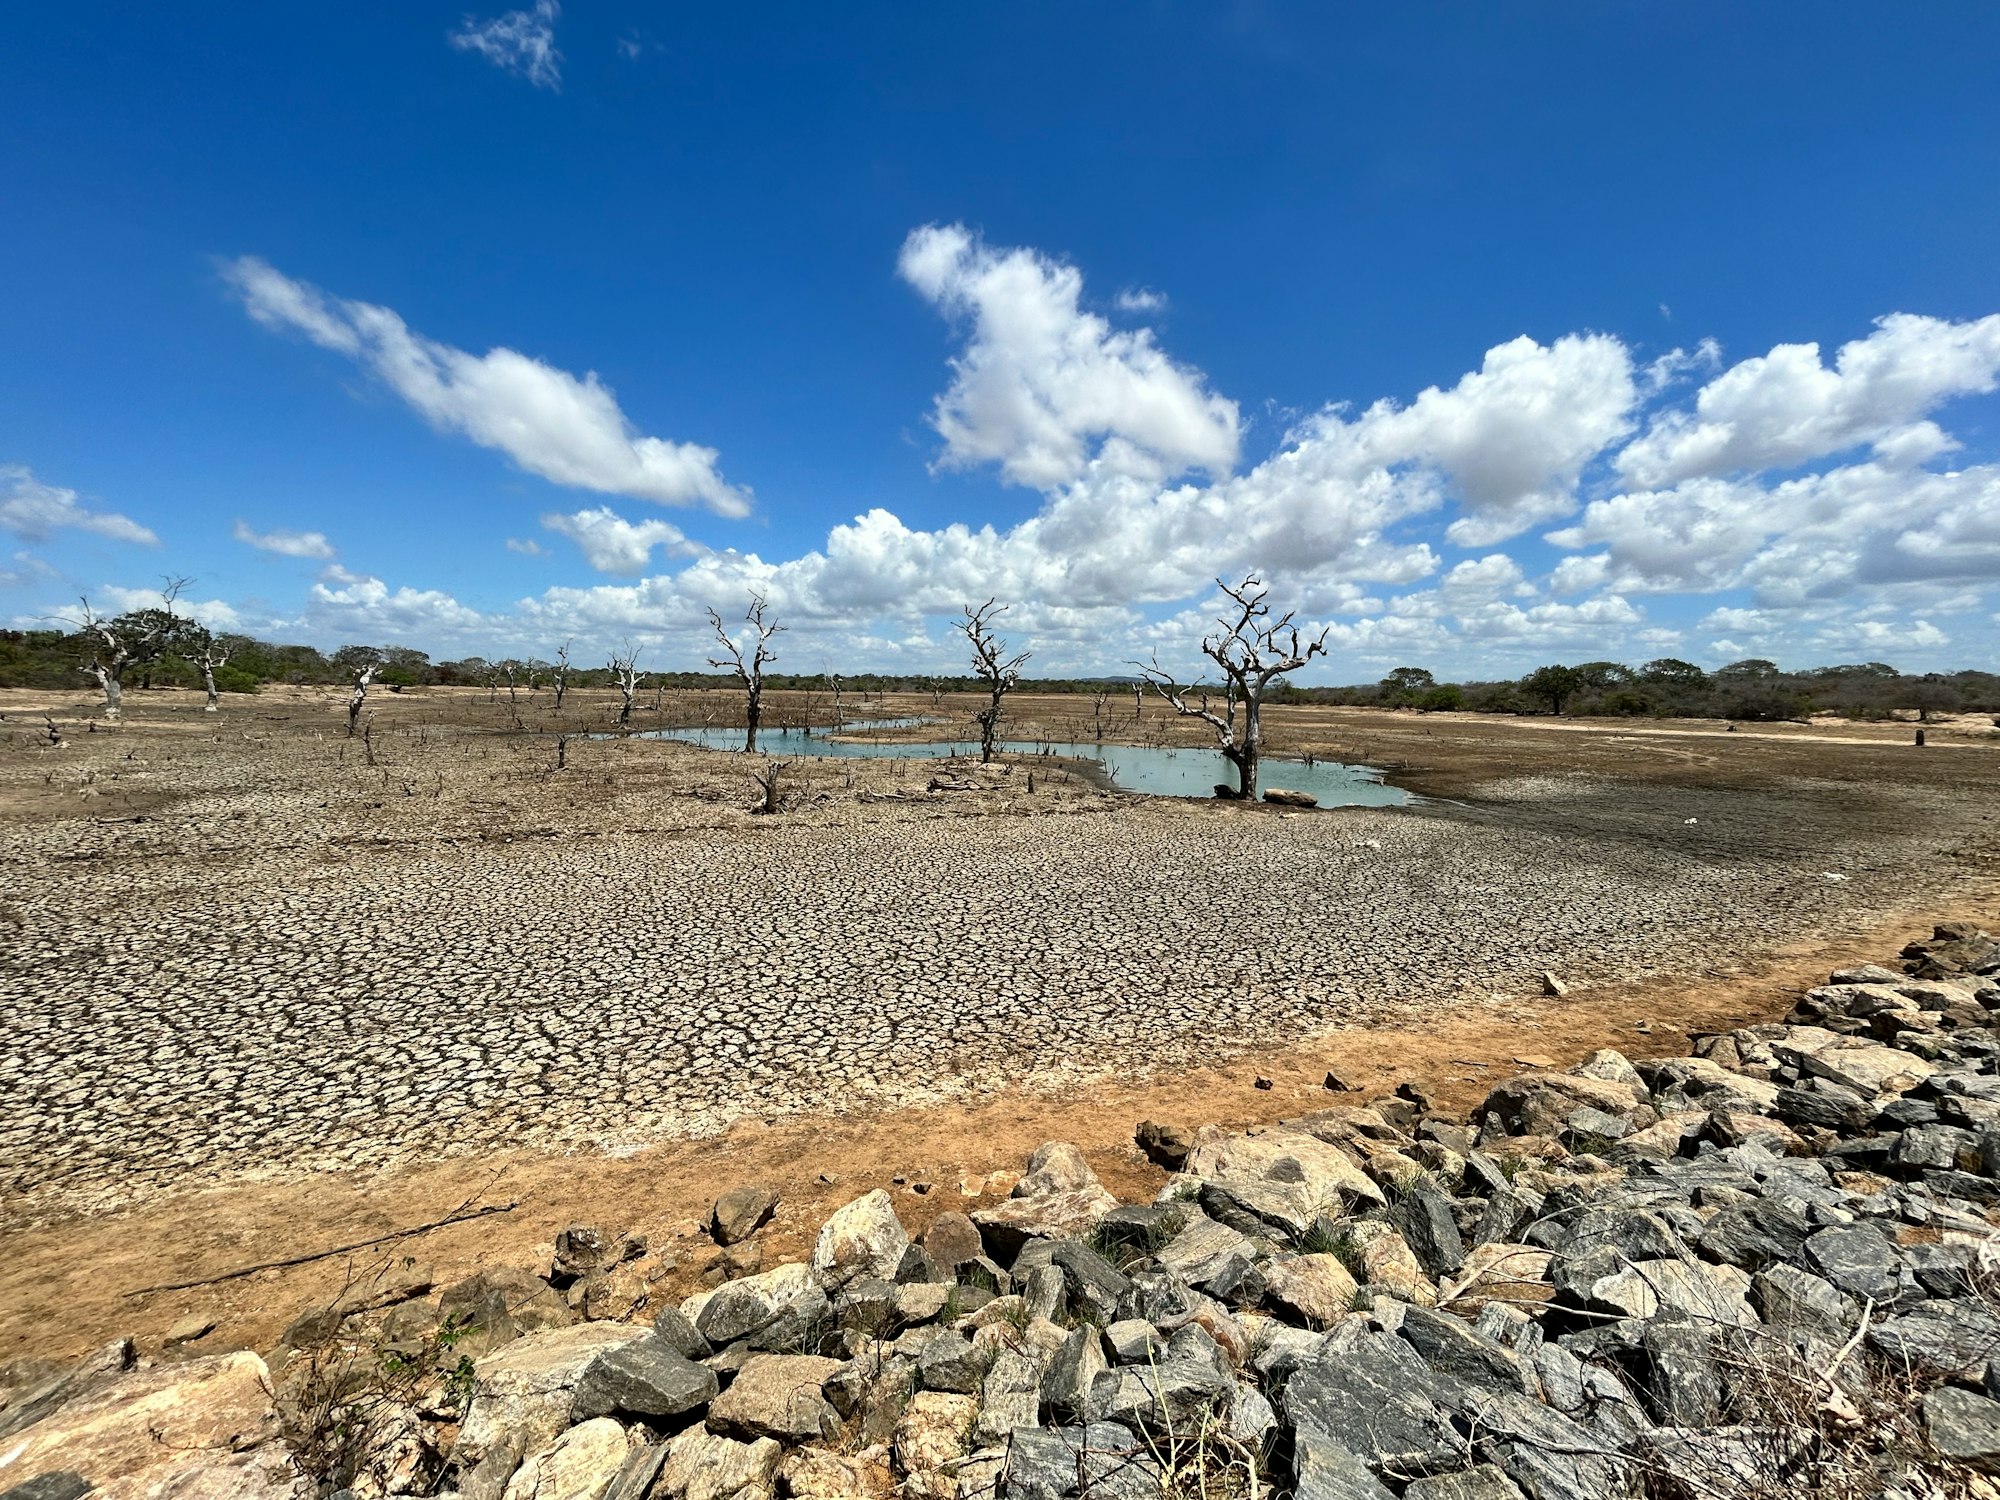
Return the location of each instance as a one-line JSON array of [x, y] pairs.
[[1787, 407], [521, 42], [612, 544], [312, 544], [565, 429], [1043, 387], [35, 511]]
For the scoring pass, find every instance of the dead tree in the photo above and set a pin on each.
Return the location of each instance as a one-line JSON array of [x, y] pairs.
[[1138, 699], [1252, 649], [363, 676], [993, 666], [212, 659], [833, 682], [627, 678], [560, 674], [1097, 703], [118, 645], [768, 783], [750, 673]]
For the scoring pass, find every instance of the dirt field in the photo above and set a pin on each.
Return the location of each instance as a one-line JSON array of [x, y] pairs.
[[266, 989]]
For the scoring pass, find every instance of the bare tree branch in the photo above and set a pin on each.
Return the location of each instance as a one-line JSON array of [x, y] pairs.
[[1252, 649], [750, 673], [990, 661]]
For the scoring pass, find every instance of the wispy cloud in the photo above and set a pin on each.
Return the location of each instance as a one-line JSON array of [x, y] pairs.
[[1140, 299], [522, 42], [311, 544], [34, 511], [550, 422]]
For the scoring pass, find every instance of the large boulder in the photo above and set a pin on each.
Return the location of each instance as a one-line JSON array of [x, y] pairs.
[[934, 1433], [580, 1465], [1315, 1289], [525, 1392], [1280, 1178], [646, 1378], [703, 1466], [750, 1306], [862, 1239], [181, 1427], [778, 1396], [1541, 1103], [1366, 1396], [1060, 1197], [740, 1213]]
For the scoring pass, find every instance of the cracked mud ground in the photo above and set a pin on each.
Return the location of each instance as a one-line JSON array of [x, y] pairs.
[[238, 950]]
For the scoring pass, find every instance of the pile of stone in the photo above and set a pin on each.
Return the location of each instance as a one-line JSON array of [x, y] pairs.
[[1765, 1268]]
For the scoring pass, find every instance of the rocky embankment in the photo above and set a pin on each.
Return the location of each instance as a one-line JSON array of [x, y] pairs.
[[1768, 1268]]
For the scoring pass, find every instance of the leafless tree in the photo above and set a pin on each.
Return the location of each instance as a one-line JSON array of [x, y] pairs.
[[1252, 648], [1097, 703], [937, 692], [833, 682], [363, 676], [560, 675], [994, 667], [1138, 699], [750, 673], [212, 659], [625, 675], [117, 645], [768, 783]]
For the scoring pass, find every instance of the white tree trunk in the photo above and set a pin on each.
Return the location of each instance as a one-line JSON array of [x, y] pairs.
[[114, 691], [208, 681]]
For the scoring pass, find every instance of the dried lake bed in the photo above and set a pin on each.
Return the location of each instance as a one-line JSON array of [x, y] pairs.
[[234, 948]]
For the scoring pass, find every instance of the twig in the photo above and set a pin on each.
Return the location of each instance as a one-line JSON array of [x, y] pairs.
[[459, 1215]]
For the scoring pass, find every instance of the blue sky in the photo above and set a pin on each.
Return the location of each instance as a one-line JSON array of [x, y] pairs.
[[1490, 334]]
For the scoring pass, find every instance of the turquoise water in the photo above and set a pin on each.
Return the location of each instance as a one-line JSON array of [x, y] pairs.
[[1150, 771]]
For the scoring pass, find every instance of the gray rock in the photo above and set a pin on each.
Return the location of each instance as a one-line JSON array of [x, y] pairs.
[[1090, 1281], [1684, 1380], [1857, 1258], [1449, 1345], [919, 1267], [951, 1363], [777, 1396], [1481, 1482], [1045, 1463], [1328, 1471], [1009, 1397], [1072, 1371], [861, 1239], [1947, 1338], [1755, 1235], [63, 1484], [1133, 1341], [642, 1467], [740, 1213], [645, 1378], [1964, 1428], [1425, 1219], [1203, 1249], [1792, 1299], [1368, 1394], [1174, 1392], [738, 1309], [681, 1336]]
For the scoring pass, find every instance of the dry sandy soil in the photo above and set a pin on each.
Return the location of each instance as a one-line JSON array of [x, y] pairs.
[[265, 990]]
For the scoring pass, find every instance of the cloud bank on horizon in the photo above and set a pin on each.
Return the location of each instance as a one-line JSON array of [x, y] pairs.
[[1545, 504]]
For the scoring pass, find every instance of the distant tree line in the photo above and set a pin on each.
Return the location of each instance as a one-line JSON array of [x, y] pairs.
[[1753, 689]]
